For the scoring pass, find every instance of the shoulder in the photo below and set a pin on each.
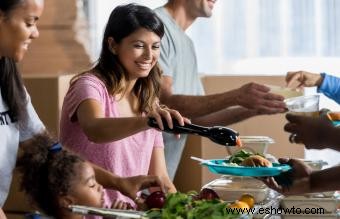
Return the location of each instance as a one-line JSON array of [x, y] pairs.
[[88, 78]]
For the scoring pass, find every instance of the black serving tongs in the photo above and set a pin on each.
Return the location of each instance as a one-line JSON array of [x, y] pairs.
[[218, 134]]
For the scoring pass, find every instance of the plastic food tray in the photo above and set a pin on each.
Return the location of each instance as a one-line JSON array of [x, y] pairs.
[[232, 188], [330, 204]]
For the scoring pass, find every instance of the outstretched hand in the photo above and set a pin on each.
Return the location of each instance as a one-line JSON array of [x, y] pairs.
[[310, 131], [258, 97], [300, 79], [130, 186], [299, 176], [163, 112]]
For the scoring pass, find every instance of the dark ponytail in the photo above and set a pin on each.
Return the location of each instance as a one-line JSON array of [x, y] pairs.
[[46, 174], [12, 90]]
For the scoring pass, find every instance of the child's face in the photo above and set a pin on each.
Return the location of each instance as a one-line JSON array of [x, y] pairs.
[[139, 52], [85, 189]]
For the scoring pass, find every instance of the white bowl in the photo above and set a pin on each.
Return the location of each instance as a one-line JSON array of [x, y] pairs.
[[286, 92], [255, 144], [232, 188]]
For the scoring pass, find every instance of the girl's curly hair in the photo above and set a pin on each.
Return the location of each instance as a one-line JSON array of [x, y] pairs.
[[45, 174]]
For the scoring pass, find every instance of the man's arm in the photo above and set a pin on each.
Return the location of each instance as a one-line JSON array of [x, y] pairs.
[[318, 181], [325, 180], [225, 117], [252, 96]]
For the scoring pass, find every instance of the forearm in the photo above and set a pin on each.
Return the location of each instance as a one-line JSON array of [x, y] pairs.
[[101, 130], [333, 139], [196, 106], [107, 179], [325, 180], [225, 117], [158, 168]]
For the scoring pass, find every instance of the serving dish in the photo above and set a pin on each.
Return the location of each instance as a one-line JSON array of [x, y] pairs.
[[222, 166], [230, 188]]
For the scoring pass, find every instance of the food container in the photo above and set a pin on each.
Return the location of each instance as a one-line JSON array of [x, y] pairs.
[[232, 188], [286, 92], [330, 204], [255, 144], [304, 105], [310, 216]]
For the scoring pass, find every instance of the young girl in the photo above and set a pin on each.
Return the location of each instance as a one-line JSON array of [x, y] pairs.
[[55, 178], [105, 112]]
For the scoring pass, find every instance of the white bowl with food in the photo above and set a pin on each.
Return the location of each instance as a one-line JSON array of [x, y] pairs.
[[232, 188]]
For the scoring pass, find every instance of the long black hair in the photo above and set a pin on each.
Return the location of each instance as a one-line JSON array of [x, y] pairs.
[[123, 21], [11, 84], [46, 174]]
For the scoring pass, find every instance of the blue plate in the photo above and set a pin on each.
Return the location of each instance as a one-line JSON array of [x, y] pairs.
[[221, 166]]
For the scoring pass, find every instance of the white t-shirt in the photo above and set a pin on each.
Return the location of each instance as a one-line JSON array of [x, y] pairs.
[[10, 136]]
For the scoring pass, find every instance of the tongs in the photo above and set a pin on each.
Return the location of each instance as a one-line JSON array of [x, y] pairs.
[[108, 213]]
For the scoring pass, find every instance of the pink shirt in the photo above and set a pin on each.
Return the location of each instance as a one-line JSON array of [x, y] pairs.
[[127, 157]]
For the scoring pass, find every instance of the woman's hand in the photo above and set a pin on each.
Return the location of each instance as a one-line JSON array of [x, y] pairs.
[[300, 79], [163, 112], [130, 186]]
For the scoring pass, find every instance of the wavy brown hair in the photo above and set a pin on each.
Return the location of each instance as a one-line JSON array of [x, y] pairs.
[[123, 21]]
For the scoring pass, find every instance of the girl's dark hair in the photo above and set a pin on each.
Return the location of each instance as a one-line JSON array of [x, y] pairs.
[[46, 174], [123, 21], [12, 88]]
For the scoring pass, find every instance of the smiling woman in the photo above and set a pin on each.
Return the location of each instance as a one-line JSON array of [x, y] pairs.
[[19, 121], [18, 28], [105, 112]]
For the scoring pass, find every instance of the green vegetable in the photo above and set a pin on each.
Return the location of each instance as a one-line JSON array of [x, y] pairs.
[[184, 206], [241, 156]]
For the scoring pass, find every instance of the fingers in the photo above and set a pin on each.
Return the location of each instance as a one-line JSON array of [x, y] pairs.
[[163, 114], [176, 115], [152, 181], [118, 204], [293, 118], [187, 120], [258, 87], [294, 79], [284, 160], [158, 119], [256, 96], [271, 183]]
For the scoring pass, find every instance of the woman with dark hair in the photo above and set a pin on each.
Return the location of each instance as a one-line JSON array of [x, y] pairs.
[[105, 112], [18, 120]]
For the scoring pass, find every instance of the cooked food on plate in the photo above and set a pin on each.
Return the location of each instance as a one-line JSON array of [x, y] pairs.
[[256, 161], [247, 158]]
